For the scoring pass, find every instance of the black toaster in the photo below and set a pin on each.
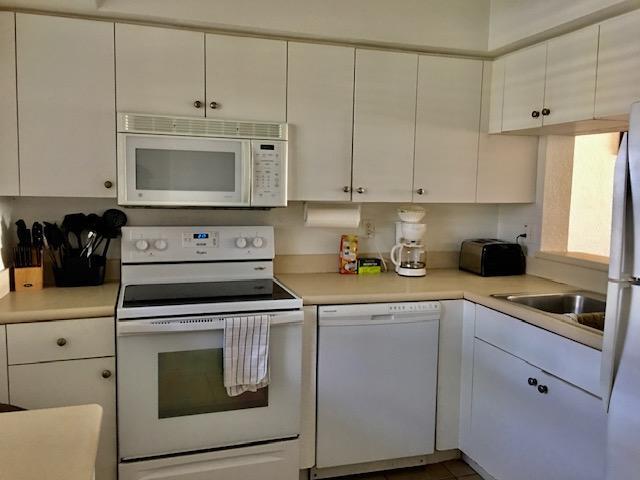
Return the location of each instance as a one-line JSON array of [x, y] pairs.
[[490, 257]]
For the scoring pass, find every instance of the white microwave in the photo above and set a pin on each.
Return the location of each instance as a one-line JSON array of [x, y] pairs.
[[197, 162]]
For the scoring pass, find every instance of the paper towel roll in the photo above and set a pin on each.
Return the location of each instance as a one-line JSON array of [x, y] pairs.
[[332, 216]]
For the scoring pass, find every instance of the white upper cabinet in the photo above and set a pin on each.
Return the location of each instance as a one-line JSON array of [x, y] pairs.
[[159, 71], [4, 380], [570, 77], [384, 126], [447, 126], [507, 164], [9, 176], [320, 117], [66, 98], [618, 66], [524, 88], [496, 94], [246, 78]]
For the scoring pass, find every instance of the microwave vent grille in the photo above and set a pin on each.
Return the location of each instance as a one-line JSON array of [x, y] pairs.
[[136, 123]]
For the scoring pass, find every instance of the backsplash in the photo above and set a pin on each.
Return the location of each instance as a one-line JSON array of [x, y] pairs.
[[447, 225]]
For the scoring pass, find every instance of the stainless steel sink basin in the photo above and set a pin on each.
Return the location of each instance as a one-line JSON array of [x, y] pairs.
[[582, 307]]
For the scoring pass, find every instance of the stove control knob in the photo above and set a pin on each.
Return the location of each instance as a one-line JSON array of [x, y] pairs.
[[258, 242], [241, 242], [142, 245], [160, 244]]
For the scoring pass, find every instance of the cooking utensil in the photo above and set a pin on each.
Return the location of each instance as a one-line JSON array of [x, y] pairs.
[[75, 223], [56, 240], [114, 220], [37, 235]]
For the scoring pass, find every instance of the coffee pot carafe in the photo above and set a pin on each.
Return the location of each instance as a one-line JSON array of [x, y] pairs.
[[408, 254]]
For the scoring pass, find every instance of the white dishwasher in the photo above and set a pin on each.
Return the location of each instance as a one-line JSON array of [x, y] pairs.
[[377, 382]]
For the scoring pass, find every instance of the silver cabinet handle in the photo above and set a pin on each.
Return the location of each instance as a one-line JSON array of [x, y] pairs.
[[106, 373], [214, 105], [361, 190], [197, 104], [420, 191], [346, 189], [108, 184], [61, 342]]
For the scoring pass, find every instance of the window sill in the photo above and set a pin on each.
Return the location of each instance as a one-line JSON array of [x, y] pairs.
[[585, 260]]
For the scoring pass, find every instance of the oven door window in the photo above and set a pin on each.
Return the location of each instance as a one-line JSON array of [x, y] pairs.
[[173, 170], [192, 383]]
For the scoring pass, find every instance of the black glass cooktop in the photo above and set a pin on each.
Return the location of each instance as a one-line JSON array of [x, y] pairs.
[[154, 295]]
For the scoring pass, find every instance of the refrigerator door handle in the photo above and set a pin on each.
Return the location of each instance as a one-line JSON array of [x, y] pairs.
[[613, 340], [634, 188]]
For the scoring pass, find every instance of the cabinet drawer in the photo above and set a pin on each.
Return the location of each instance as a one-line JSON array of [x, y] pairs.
[[559, 356], [60, 340]]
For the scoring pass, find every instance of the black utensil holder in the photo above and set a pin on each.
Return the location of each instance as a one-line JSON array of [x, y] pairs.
[[80, 271]]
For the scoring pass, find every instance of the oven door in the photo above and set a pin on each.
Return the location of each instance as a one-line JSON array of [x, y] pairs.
[[166, 170], [171, 395]]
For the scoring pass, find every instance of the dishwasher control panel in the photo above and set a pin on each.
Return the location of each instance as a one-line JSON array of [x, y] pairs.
[[374, 309]]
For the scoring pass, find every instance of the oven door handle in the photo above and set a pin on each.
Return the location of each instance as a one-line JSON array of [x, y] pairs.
[[198, 323]]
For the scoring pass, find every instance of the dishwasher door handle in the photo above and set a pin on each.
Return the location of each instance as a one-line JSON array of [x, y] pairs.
[[382, 318]]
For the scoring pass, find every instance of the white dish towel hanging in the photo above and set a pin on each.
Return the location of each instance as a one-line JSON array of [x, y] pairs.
[[246, 353]]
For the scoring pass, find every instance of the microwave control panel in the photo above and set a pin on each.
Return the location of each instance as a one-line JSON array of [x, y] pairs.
[[269, 160]]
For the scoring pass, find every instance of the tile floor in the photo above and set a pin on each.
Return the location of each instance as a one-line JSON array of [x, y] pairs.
[[451, 470]]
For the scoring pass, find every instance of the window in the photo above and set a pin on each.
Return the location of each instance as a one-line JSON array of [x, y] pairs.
[[578, 195], [594, 157]]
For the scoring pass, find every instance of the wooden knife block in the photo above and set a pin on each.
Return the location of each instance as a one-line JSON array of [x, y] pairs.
[[28, 278]]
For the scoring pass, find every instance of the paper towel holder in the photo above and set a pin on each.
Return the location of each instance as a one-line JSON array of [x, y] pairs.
[[334, 216]]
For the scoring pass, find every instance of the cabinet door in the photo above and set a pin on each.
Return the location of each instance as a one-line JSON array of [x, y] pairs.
[[495, 71], [72, 382], [9, 177], [524, 88], [447, 127], [66, 98], [384, 126], [246, 78], [571, 77], [159, 71], [519, 433], [4, 384], [507, 164], [502, 438], [320, 117], [618, 66]]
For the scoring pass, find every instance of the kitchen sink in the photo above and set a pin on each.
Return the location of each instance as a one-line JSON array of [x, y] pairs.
[[586, 308]]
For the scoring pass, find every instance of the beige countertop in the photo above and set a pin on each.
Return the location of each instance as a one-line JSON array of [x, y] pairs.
[[52, 444], [59, 303], [333, 288]]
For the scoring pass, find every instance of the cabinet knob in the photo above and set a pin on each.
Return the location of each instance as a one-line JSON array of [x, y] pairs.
[[535, 114], [106, 373], [532, 381], [361, 190], [346, 189], [61, 342], [420, 191], [214, 105], [543, 389], [546, 111], [108, 184], [197, 104]]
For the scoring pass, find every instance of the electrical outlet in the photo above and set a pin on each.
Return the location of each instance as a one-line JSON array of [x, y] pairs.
[[369, 228], [528, 230]]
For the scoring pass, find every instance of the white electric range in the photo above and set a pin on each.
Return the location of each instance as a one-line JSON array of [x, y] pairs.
[[175, 419]]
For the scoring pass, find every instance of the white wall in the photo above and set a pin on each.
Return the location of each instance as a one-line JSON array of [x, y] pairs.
[[425, 24], [512, 21], [447, 225]]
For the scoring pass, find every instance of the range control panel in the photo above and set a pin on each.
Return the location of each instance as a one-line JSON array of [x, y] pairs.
[[269, 175], [188, 244]]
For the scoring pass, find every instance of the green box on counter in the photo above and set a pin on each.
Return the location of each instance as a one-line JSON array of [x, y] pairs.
[[369, 266]]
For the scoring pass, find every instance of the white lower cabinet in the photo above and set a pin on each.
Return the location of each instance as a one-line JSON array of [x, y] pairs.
[[72, 379], [526, 424], [4, 383], [72, 382]]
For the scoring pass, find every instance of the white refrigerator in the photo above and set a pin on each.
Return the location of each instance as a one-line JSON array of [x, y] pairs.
[[621, 349]]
